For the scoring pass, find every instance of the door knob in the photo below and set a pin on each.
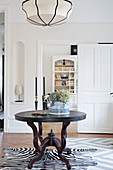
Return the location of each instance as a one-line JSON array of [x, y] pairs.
[[111, 93]]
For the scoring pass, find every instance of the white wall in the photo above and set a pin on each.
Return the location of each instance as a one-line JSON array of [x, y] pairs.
[[87, 32], [48, 52], [29, 35]]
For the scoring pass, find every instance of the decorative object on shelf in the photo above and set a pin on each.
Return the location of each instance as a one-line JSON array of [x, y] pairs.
[[47, 12], [73, 49], [19, 92], [64, 76], [59, 102], [64, 62], [63, 83]]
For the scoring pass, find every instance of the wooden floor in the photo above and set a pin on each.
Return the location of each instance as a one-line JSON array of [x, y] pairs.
[[10, 140]]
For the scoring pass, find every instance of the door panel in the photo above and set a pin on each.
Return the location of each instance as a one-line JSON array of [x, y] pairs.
[[104, 112], [89, 69], [104, 115], [86, 64], [89, 109], [105, 68], [95, 85]]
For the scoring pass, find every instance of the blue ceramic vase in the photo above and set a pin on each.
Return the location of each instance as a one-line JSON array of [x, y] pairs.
[[59, 107]]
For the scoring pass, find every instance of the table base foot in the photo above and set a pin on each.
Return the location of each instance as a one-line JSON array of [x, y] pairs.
[[67, 150], [33, 160], [66, 161]]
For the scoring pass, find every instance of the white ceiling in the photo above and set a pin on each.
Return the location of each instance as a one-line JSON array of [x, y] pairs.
[[83, 11], [92, 11]]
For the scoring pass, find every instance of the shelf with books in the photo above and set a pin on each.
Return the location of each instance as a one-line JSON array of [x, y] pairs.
[[61, 79], [65, 71], [65, 74], [64, 65], [61, 86]]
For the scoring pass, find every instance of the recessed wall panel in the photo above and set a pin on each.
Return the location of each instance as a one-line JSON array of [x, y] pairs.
[[18, 70]]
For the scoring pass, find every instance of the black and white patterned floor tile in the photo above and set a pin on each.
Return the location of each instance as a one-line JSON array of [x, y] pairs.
[[88, 152], [104, 154]]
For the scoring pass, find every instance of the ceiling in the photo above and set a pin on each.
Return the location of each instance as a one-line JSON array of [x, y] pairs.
[[83, 11], [92, 11]]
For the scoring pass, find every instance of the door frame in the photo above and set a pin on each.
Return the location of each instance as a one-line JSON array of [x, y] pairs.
[[5, 9], [39, 61]]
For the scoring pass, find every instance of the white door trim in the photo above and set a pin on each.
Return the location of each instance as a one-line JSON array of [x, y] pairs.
[[39, 60], [5, 9]]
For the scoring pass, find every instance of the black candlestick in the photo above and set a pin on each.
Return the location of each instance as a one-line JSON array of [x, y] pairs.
[[35, 86], [43, 86], [44, 103], [36, 103], [36, 96]]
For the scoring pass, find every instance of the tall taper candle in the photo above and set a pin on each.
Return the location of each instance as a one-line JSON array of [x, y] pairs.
[[36, 86], [44, 86]]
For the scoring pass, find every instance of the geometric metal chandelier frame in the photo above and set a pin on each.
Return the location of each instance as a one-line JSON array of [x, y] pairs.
[[47, 12]]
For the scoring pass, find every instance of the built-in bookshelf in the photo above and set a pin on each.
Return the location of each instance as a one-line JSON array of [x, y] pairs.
[[65, 74]]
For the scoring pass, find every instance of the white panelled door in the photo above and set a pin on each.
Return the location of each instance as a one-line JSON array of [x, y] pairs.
[[95, 75]]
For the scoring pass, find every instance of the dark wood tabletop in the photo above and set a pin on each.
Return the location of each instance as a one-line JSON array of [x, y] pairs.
[[28, 116]]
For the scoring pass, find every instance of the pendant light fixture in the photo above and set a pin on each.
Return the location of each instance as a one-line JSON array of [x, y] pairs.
[[47, 12]]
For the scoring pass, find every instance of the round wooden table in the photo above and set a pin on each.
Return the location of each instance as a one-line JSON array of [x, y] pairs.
[[51, 140]]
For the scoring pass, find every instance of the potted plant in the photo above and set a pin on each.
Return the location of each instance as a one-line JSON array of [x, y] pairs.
[[64, 96], [59, 102], [54, 97]]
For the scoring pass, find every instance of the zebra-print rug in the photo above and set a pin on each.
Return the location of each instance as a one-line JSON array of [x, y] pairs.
[[81, 159], [17, 159]]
